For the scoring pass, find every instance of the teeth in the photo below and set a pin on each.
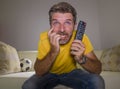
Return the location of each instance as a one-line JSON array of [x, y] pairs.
[[62, 35]]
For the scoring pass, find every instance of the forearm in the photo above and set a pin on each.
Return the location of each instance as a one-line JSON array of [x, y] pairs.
[[42, 66], [93, 66]]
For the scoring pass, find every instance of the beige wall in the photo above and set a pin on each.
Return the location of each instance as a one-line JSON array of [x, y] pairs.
[[21, 21], [109, 16]]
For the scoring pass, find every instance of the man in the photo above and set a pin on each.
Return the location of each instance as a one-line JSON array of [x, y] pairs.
[[58, 54]]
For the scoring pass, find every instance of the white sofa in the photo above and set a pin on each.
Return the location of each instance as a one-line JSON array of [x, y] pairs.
[[15, 80]]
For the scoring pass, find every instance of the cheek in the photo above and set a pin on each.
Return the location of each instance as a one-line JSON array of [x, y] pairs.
[[70, 27], [56, 30], [69, 30]]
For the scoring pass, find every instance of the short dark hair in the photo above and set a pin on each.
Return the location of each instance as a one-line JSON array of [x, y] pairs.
[[63, 7]]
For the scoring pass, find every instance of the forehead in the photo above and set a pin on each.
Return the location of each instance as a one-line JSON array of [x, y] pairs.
[[62, 16]]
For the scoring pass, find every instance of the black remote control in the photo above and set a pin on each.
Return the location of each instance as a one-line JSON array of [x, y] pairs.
[[80, 30]]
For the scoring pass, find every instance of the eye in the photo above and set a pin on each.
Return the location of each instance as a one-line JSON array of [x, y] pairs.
[[55, 23], [68, 23]]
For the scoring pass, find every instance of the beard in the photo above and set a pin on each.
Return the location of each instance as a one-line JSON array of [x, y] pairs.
[[65, 37]]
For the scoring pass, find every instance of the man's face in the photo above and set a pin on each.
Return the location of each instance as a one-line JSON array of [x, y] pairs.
[[63, 24]]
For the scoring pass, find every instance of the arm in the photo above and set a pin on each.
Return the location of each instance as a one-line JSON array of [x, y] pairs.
[[42, 66], [92, 64]]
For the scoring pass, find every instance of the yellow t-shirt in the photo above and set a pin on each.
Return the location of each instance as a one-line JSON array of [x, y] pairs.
[[64, 62]]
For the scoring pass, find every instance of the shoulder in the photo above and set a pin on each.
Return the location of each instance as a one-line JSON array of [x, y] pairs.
[[85, 38], [44, 35]]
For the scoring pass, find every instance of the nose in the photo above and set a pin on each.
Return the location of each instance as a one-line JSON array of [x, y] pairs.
[[62, 28]]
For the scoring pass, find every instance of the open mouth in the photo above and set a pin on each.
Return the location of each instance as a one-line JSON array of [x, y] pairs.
[[62, 36]]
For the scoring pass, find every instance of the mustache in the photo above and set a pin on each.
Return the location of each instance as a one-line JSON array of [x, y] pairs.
[[62, 33]]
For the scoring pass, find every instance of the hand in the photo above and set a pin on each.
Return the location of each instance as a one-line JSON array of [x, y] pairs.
[[54, 41], [77, 49]]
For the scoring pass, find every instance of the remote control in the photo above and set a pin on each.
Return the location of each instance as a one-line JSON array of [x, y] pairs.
[[80, 30]]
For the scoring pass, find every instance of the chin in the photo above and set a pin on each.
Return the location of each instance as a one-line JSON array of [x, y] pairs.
[[63, 42]]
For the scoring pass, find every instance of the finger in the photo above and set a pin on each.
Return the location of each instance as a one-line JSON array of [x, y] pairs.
[[50, 31], [73, 52], [78, 42], [75, 48], [52, 36], [56, 38], [76, 53]]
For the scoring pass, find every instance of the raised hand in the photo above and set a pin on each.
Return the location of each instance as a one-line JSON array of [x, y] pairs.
[[77, 49], [54, 41]]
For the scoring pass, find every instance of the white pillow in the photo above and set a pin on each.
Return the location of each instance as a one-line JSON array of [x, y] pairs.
[[9, 60], [110, 59]]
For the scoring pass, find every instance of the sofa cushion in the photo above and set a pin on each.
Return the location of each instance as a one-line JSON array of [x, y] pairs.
[[9, 60], [110, 59]]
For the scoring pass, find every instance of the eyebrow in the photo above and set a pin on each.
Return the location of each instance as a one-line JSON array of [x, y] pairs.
[[54, 20], [68, 19], [65, 20]]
